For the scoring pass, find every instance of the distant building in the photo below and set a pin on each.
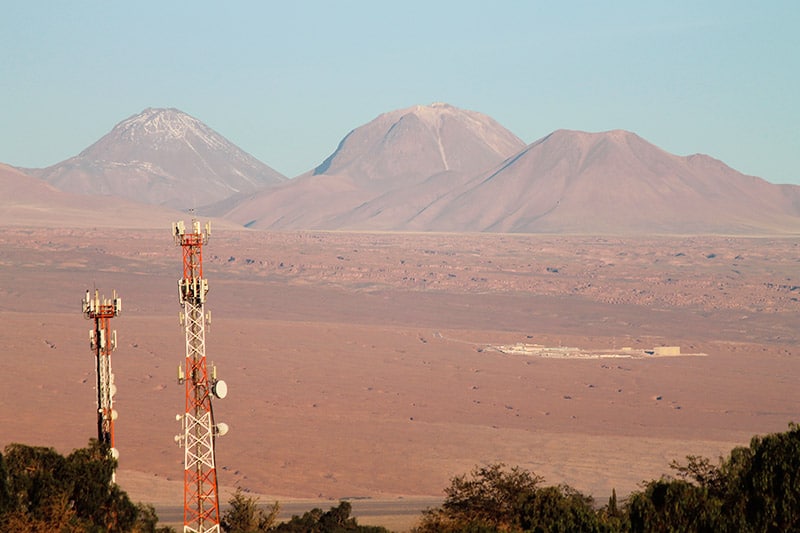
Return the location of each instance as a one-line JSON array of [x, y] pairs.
[[665, 350]]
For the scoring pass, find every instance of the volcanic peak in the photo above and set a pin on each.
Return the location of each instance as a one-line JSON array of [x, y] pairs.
[[440, 137], [481, 126], [165, 124], [155, 157]]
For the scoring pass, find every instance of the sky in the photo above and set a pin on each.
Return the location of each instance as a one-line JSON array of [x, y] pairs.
[[286, 81]]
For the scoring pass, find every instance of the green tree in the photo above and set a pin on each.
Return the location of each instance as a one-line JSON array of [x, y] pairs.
[[672, 505], [757, 488], [245, 516], [147, 520], [754, 489], [56, 515], [88, 472], [490, 496], [34, 479], [560, 509], [764, 483], [40, 490], [612, 516], [496, 498]]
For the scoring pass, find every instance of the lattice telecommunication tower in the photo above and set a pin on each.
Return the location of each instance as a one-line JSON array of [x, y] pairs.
[[200, 490], [103, 341]]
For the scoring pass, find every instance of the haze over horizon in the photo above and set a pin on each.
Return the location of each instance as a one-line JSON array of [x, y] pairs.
[[287, 82]]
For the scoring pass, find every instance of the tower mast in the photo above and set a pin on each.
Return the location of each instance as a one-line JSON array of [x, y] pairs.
[[103, 341], [200, 491]]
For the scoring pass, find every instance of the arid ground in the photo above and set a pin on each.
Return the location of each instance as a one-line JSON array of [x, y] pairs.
[[357, 366]]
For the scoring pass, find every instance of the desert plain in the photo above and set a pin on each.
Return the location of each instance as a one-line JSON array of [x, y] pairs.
[[360, 365]]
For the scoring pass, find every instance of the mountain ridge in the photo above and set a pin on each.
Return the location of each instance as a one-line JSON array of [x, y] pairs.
[[433, 168], [31, 202], [567, 181], [571, 181]]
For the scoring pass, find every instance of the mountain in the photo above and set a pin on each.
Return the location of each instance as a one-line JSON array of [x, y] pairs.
[[439, 168], [162, 157], [381, 173], [612, 182], [422, 168], [407, 146], [30, 202]]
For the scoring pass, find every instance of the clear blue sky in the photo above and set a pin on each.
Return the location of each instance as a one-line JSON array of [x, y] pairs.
[[287, 80]]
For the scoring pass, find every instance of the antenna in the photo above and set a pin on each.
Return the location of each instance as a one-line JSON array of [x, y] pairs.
[[198, 439], [103, 341]]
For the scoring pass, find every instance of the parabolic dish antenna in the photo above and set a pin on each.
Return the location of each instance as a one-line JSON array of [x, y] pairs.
[[220, 389]]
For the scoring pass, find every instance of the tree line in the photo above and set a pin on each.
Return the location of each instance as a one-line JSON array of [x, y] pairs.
[[754, 489]]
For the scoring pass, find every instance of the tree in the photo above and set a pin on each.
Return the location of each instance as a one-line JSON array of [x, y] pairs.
[[90, 471], [335, 520], [244, 515], [56, 515], [672, 505], [6, 503], [757, 488], [147, 520], [41, 490], [560, 509], [495, 498], [34, 480], [754, 489], [490, 495], [764, 484], [612, 516]]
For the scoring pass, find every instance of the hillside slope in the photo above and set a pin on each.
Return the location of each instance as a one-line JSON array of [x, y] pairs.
[[612, 182]]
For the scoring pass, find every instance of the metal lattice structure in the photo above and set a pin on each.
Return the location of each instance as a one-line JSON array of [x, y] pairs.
[[200, 490], [103, 341]]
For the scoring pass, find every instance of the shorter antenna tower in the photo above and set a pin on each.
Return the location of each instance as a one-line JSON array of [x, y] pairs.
[[103, 341]]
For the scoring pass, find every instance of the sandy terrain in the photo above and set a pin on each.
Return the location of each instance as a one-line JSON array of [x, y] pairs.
[[355, 362]]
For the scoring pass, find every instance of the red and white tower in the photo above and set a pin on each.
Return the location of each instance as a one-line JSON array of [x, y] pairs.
[[200, 492], [103, 341]]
